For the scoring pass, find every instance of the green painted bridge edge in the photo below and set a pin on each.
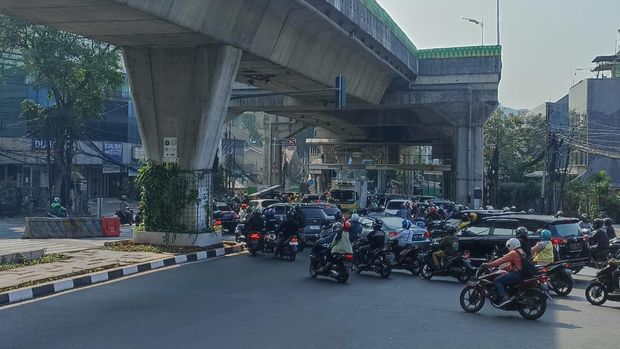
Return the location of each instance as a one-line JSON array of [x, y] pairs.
[[382, 14], [460, 52]]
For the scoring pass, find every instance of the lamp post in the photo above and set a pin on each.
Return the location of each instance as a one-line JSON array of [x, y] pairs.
[[476, 22]]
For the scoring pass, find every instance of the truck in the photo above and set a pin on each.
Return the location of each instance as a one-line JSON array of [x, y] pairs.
[[346, 193]]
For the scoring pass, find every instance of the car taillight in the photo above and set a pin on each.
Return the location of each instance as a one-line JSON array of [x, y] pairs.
[[218, 222], [586, 237], [348, 256], [543, 279], [559, 241], [392, 234], [427, 235], [294, 239], [254, 236], [545, 270], [567, 266]]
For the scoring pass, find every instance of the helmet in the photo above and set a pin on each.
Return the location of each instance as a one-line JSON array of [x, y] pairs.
[[559, 214], [531, 211], [270, 213], [597, 223], [57, 199], [124, 197], [450, 229], [346, 226], [338, 216], [377, 225], [521, 232], [355, 217], [506, 209], [337, 226], [465, 216], [407, 204], [513, 208], [257, 210], [406, 224], [608, 221], [513, 243], [545, 235], [490, 207], [244, 206], [432, 210], [473, 216], [584, 218]]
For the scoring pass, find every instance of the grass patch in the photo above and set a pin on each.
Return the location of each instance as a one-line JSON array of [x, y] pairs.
[[130, 246], [54, 278], [48, 258]]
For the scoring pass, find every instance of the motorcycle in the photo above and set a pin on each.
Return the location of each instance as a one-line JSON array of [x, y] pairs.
[[560, 277], [377, 260], [457, 266], [270, 242], [339, 269], [240, 231], [407, 259], [597, 292], [254, 242], [126, 216], [288, 248], [138, 218], [599, 260], [529, 296]]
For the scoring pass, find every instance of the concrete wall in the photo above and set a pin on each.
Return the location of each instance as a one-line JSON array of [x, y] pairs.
[[60, 228]]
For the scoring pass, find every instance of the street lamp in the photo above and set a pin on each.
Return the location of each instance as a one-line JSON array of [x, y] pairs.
[[476, 22]]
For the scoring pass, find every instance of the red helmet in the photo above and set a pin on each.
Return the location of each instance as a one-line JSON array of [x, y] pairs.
[[244, 206], [432, 210], [346, 226]]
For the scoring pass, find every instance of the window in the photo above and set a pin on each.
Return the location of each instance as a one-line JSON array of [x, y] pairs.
[[505, 228], [477, 230], [394, 205], [567, 229], [313, 213], [344, 196]]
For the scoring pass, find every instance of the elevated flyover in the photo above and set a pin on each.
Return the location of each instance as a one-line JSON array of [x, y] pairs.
[[182, 57]]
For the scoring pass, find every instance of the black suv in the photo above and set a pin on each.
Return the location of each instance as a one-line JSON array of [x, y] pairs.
[[314, 219], [483, 236]]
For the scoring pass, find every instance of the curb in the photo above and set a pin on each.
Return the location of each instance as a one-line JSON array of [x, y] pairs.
[[39, 291]]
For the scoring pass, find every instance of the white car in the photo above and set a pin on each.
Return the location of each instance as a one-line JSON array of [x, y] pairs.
[[393, 206]]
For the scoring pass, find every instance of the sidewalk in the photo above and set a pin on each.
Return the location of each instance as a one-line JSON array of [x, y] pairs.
[[78, 262]]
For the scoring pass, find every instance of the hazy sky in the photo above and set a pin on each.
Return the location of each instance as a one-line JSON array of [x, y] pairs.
[[543, 40]]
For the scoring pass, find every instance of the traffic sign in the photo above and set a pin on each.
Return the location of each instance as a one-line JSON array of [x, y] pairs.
[[311, 183], [292, 141]]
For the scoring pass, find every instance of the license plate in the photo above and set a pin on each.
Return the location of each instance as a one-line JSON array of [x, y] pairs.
[[314, 227], [417, 236], [294, 243], [391, 258], [575, 246]]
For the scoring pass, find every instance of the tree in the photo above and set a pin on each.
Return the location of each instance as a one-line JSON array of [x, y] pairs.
[[77, 73]]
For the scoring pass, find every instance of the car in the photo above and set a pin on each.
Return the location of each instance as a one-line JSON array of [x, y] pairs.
[[226, 216], [281, 210], [262, 203], [424, 198], [447, 205], [385, 198], [394, 205], [484, 236], [330, 210], [314, 219], [393, 225]]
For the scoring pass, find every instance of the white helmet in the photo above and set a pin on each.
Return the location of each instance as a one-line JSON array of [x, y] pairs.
[[355, 217], [513, 243]]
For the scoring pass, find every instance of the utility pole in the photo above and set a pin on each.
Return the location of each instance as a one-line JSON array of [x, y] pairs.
[[498, 17]]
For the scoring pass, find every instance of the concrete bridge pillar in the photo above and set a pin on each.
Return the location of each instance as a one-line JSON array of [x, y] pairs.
[[182, 92], [468, 163]]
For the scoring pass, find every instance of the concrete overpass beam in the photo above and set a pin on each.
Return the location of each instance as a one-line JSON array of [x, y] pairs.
[[182, 93]]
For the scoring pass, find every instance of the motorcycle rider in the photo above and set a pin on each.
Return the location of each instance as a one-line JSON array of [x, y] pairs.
[[543, 250], [526, 246], [243, 211], [256, 222], [405, 237], [615, 275], [271, 222], [288, 228], [374, 240], [584, 223], [468, 219], [433, 215], [599, 242], [57, 210], [446, 247], [356, 228], [340, 243], [123, 210], [403, 212], [611, 232], [511, 263]]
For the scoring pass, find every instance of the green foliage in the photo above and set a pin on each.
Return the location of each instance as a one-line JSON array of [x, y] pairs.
[[21, 262], [594, 196], [77, 73], [248, 121], [521, 142], [166, 191]]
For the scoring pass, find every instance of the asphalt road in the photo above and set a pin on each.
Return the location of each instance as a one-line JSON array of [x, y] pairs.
[[245, 302]]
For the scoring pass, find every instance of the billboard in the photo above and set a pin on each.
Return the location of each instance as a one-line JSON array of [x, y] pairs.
[[113, 151]]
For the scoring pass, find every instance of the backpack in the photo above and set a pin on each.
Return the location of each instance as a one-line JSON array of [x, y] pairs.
[[528, 269]]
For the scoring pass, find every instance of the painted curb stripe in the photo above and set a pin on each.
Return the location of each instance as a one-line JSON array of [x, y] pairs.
[[60, 286]]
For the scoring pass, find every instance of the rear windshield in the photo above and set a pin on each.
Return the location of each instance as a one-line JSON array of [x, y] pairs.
[[313, 212], [330, 211], [393, 223], [344, 196], [394, 205], [222, 208], [567, 229], [268, 202]]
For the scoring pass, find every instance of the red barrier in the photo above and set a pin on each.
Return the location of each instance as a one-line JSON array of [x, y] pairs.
[[111, 227]]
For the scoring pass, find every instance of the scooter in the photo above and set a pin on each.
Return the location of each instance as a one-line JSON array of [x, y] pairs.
[[598, 292], [339, 269], [406, 259], [288, 248], [560, 277], [458, 266], [377, 260]]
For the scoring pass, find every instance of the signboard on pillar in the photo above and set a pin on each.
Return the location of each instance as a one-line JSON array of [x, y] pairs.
[[477, 197], [170, 150], [114, 152]]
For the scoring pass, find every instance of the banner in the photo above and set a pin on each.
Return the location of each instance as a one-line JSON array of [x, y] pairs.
[[113, 151]]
